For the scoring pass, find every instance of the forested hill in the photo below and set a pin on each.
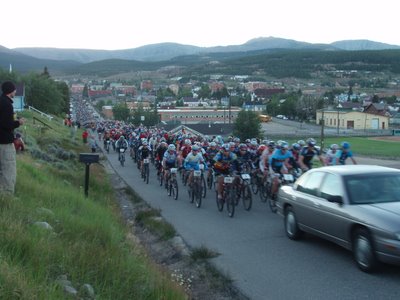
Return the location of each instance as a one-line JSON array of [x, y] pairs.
[[273, 62]]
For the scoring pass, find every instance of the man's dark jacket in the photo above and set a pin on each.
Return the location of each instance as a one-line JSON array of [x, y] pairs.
[[7, 122]]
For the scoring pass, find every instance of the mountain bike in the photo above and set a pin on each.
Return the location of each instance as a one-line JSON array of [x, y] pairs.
[[121, 156], [146, 170], [228, 196], [173, 183]]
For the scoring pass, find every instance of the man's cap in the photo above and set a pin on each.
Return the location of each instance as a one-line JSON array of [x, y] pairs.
[[8, 87]]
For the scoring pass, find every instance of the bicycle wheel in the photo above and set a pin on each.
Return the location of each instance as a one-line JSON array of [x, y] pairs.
[[160, 178], [254, 184], [272, 204], [203, 187], [220, 202], [197, 194], [264, 191], [247, 197], [174, 189], [147, 173], [184, 177], [230, 201], [191, 194], [210, 180]]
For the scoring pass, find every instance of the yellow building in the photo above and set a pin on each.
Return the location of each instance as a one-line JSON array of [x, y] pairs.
[[351, 119]]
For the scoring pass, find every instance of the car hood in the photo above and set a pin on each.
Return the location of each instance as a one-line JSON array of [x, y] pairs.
[[392, 208], [383, 215]]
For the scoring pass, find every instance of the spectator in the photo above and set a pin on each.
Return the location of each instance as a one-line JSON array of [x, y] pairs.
[[85, 136], [8, 165], [19, 143]]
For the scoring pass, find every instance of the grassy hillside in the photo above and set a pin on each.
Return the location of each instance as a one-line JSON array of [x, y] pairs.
[[53, 239]]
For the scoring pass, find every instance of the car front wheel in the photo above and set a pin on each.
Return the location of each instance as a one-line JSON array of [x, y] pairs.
[[363, 250], [291, 227]]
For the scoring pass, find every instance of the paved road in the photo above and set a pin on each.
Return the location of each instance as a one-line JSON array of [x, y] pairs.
[[256, 254]]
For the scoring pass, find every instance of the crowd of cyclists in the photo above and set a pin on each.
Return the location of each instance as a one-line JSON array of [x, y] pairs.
[[259, 165]]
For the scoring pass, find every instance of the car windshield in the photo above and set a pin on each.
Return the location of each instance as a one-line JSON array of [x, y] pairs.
[[376, 188]]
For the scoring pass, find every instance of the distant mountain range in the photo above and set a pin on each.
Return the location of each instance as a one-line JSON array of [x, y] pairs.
[[166, 51], [24, 59]]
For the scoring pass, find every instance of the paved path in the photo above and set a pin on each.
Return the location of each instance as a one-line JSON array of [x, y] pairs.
[[256, 254]]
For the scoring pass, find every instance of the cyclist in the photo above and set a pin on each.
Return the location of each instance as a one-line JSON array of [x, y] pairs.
[[225, 163], [160, 151], [346, 153], [244, 158], [169, 160], [294, 161], [106, 139], [332, 155], [184, 150], [279, 163], [193, 161], [144, 153], [265, 156], [121, 143], [308, 153]]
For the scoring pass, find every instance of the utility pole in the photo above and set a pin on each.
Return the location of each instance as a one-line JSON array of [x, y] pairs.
[[322, 128]]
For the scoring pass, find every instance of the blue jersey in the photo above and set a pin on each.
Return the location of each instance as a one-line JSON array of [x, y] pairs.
[[169, 158], [193, 161], [343, 155], [278, 157]]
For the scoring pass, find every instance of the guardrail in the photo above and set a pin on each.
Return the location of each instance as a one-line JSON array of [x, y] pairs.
[[41, 113]]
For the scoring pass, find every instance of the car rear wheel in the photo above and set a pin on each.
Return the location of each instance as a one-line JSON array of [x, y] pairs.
[[363, 250], [291, 227]]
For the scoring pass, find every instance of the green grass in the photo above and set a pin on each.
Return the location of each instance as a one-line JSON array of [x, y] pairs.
[[88, 243], [151, 219], [202, 253], [369, 146], [365, 146]]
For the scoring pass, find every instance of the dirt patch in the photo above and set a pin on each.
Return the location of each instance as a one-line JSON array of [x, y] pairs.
[[391, 138], [199, 278]]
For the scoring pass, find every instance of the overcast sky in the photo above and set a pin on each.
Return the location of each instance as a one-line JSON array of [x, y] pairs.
[[123, 24]]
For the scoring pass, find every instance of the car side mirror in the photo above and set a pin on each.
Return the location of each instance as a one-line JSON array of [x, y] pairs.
[[335, 199]]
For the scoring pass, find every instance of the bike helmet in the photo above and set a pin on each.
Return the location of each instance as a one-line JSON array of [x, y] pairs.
[[144, 143], [311, 142], [284, 145], [296, 146], [261, 148], [345, 145], [195, 148], [271, 144], [334, 147], [243, 146], [302, 143], [171, 147], [213, 144], [226, 147]]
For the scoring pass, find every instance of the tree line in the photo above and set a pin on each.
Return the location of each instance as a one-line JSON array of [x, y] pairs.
[[41, 91]]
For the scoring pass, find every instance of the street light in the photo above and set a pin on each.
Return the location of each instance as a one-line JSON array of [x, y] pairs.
[[338, 120]]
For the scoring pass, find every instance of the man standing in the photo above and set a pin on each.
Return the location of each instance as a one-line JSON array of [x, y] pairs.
[[8, 166]]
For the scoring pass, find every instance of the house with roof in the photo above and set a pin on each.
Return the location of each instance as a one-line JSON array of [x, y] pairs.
[[19, 98], [256, 106], [192, 102], [377, 109], [352, 119]]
